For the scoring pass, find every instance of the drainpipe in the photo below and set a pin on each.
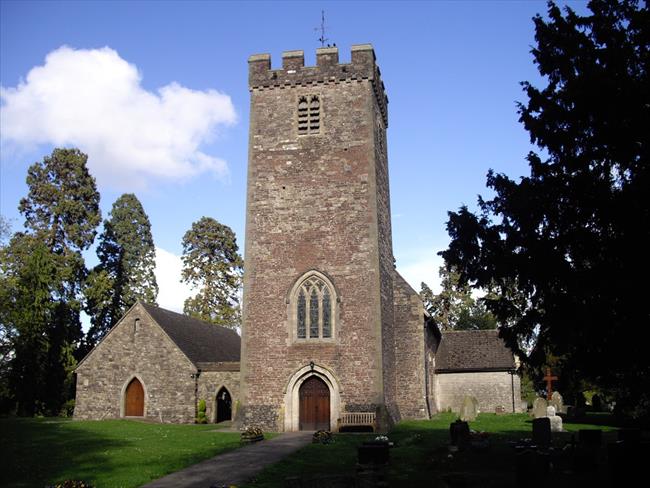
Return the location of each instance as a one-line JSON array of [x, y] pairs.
[[512, 387], [426, 374]]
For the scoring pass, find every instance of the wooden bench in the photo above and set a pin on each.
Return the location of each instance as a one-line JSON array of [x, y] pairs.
[[358, 419]]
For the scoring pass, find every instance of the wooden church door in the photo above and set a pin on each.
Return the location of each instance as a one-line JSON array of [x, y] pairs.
[[134, 402], [314, 405]]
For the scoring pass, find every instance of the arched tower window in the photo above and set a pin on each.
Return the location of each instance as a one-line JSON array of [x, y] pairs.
[[308, 114], [312, 307]]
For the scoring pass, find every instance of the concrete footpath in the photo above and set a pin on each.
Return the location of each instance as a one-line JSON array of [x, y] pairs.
[[234, 467]]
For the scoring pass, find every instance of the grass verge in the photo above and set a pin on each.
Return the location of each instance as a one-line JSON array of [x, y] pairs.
[[421, 456], [108, 453]]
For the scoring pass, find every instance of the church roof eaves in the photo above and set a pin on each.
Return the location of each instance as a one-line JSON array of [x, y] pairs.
[[200, 341], [473, 351]]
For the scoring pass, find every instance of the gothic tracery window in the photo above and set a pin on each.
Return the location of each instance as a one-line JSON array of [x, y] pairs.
[[313, 309], [309, 114]]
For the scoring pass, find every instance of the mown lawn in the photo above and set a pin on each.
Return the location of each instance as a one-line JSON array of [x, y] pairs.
[[109, 453], [421, 457]]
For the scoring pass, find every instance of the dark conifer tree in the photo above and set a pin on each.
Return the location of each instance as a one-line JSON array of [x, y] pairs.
[[564, 247], [125, 273], [44, 272]]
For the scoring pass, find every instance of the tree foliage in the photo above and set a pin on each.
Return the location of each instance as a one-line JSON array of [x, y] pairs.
[[454, 308], [564, 247], [125, 273], [42, 276], [213, 266]]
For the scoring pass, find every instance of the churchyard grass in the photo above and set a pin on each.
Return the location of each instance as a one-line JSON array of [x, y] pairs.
[[108, 453], [421, 453]]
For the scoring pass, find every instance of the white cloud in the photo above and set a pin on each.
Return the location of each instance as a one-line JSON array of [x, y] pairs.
[[171, 292], [93, 99], [421, 268]]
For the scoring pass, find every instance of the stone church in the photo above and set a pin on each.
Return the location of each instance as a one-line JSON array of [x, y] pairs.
[[332, 336]]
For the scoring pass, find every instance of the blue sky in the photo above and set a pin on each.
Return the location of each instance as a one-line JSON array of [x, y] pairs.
[[156, 93]]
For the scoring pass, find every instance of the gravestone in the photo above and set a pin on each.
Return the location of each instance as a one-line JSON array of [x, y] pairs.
[[469, 410], [558, 402], [459, 434], [373, 453], [532, 469], [556, 420], [590, 437], [542, 431], [539, 408]]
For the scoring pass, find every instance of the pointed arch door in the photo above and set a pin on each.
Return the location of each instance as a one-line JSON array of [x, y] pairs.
[[134, 399], [224, 406], [314, 405]]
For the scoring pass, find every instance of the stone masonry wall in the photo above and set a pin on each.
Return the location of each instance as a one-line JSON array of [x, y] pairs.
[[210, 382], [149, 355], [491, 389], [409, 351], [312, 205]]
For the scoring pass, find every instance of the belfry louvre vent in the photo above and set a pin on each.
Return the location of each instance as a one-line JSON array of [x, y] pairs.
[[308, 115]]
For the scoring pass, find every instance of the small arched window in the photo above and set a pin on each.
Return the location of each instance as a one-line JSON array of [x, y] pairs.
[[313, 303], [308, 114]]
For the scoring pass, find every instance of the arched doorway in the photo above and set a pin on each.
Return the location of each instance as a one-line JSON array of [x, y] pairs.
[[134, 399], [224, 406], [314, 405]]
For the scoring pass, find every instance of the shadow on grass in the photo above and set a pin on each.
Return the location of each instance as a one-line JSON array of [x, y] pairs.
[[38, 452]]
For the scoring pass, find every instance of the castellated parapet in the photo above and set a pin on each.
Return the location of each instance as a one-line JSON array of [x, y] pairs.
[[327, 70]]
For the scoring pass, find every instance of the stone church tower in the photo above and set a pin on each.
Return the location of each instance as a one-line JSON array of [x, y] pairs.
[[318, 304]]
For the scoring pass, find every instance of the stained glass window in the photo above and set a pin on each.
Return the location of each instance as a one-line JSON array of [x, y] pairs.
[[302, 323], [313, 315], [314, 309], [327, 309]]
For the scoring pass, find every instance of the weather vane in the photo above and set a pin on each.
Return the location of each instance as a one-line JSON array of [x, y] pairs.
[[322, 37]]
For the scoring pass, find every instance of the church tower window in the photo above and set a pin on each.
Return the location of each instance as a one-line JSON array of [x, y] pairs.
[[312, 307], [308, 115]]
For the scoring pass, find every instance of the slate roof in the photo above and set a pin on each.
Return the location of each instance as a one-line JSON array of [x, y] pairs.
[[473, 350], [198, 340]]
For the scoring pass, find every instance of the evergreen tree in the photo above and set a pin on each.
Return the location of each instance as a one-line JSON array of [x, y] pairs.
[[125, 273], [212, 264], [44, 271], [564, 247]]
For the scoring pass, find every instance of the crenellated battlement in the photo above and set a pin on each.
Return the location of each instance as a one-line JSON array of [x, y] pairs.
[[327, 70]]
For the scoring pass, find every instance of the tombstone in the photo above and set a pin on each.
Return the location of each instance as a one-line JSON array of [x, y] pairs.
[[587, 454], [590, 437], [459, 434], [539, 408], [542, 431], [556, 420], [373, 453], [469, 410], [597, 403], [558, 402], [532, 468], [630, 436]]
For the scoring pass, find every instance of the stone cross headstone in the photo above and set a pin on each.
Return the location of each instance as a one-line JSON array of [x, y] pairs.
[[469, 410], [556, 420], [542, 431], [558, 402], [539, 408]]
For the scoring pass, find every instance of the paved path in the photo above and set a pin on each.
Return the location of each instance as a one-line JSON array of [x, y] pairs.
[[234, 467]]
